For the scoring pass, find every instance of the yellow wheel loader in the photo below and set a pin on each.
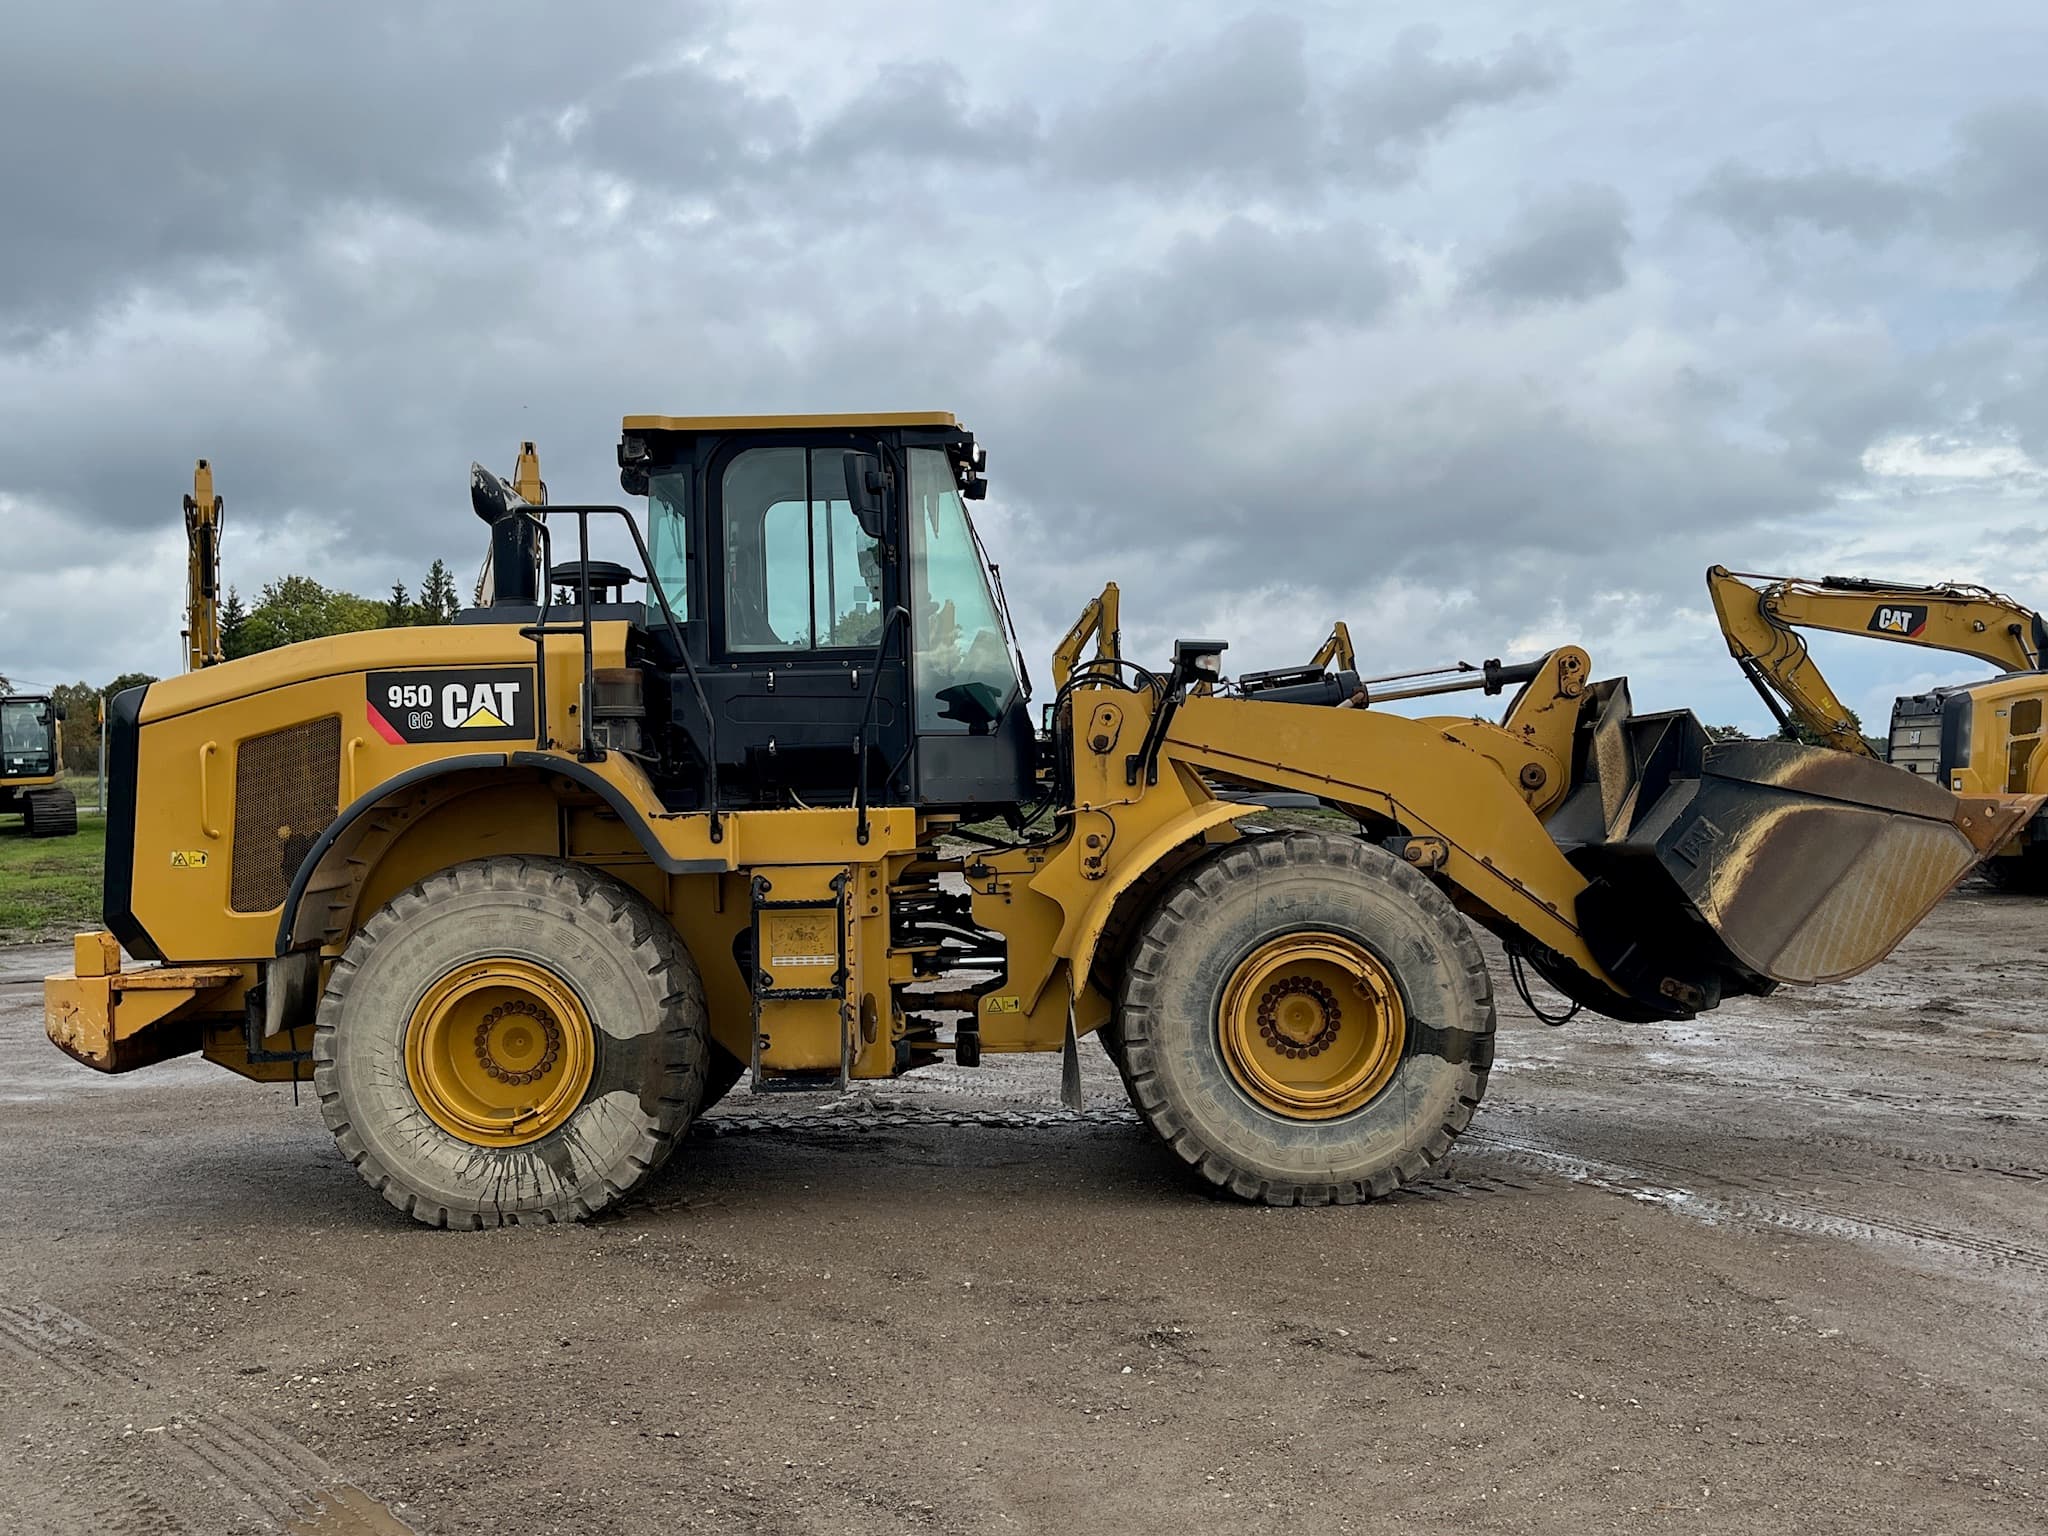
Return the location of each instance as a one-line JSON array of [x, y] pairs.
[[522, 895], [32, 765], [1978, 739]]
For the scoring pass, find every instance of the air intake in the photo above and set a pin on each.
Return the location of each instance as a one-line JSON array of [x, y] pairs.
[[287, 792]]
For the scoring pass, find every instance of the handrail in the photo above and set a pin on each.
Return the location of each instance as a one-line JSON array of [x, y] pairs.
[[588, 750], [860, 742]]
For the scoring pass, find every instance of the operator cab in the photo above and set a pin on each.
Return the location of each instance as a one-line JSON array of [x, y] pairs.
[[845, 637], [28, 737]]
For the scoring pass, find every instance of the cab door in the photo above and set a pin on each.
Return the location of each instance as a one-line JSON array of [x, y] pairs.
[[802, 587]]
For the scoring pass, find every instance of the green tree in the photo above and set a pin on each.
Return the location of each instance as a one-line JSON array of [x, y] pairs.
[[1726, 733], [296, 608], [81, 705], [6, 684], [438, 601], [233, 619], [1807, 736], [398, 608]]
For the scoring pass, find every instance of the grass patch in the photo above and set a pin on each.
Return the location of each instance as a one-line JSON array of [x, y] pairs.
[[49, 887]]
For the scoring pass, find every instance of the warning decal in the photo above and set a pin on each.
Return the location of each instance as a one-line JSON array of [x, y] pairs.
[[431, 704]]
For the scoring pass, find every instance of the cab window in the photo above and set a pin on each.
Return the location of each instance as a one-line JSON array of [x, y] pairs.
[[965, 675], [668, 540], [799, 572]]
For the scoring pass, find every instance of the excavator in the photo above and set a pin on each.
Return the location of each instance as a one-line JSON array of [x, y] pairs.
[[1980, 738], [521, 896], [32, 765]]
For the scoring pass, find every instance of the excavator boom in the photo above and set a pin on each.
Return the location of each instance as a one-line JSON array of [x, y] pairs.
[[202, 570]]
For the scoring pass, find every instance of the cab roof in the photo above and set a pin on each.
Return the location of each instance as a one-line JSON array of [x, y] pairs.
[[787, 423]]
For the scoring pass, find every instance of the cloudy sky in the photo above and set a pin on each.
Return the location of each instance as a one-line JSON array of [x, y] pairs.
[[1487, 324]]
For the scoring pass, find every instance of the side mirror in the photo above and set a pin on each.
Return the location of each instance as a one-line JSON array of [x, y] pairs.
[[866, 481], [57, 713]]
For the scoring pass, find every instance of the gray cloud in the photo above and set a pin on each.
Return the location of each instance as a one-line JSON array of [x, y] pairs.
[[174, 142], [1194, 289], [1237, 107], [1244, 109], [1835, 200], [1388, 112], [1269, 285], [1571, 246], [924, 111]]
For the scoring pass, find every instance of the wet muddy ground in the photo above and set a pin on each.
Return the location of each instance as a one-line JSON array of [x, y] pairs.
[[1784, 1268]]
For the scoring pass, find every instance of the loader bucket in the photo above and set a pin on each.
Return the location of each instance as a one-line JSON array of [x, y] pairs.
[[1728, 867]]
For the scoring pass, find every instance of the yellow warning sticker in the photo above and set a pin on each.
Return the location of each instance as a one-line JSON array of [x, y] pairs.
[[1006, 1002], [188, 858]]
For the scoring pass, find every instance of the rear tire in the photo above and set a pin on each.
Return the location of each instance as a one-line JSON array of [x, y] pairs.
[[1384, 1064], [593, 1071]]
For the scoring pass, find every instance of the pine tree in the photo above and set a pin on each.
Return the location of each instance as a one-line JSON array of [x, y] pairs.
[[234, 620], [438, 601], [398, 610]]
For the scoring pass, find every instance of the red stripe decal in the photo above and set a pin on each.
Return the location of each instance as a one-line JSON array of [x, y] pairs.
[[382, 726]]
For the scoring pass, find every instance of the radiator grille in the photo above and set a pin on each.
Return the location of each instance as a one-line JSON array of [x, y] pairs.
[[287, 792]]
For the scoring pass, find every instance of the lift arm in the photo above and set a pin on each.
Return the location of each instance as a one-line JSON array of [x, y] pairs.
[[202, 570]]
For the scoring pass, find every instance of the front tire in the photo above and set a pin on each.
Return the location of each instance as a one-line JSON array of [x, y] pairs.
[[514, 1039], [2019, 874], [1306, 1020]]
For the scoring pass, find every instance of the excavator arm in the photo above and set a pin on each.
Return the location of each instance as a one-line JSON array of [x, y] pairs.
[[1761, 627], [202, 571]]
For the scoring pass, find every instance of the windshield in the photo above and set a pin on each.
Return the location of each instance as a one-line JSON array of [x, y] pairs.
[[965, 675], [25, 735]]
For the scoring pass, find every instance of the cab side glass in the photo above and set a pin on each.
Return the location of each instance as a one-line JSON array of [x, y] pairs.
[[800, 570]]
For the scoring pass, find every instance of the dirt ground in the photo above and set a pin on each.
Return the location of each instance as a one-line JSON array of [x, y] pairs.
[[1783, 1269]]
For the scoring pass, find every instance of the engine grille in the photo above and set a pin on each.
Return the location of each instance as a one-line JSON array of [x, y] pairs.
[[287, 792]]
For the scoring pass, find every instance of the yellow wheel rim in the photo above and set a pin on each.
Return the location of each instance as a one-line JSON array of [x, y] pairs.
[[1312, 1025], [499, 1052]]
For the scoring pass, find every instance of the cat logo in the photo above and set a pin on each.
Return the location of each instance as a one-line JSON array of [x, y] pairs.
[[483, 707], [431, 704], [1908, 621]]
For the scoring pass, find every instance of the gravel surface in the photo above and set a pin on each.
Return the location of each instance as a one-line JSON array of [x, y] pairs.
[[1781, 1269]]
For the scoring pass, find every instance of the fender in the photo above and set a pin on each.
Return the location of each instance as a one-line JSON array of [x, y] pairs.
[[342, 837], [1094, 918]]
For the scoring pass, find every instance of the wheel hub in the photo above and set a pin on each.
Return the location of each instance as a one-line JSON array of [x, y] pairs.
[[508, 1049], [499, 1052], [1312, 1025], [1298, 1017]]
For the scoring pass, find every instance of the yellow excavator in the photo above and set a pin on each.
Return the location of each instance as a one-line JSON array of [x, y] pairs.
[[522, 894], [32, 765], [203, 516], [1980, 738]]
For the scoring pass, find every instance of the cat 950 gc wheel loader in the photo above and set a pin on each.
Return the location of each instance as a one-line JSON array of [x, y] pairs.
[[521, 895]]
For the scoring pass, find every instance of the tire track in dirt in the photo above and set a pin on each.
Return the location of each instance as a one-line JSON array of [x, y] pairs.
[[1728, 1199], [266, 1480]]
